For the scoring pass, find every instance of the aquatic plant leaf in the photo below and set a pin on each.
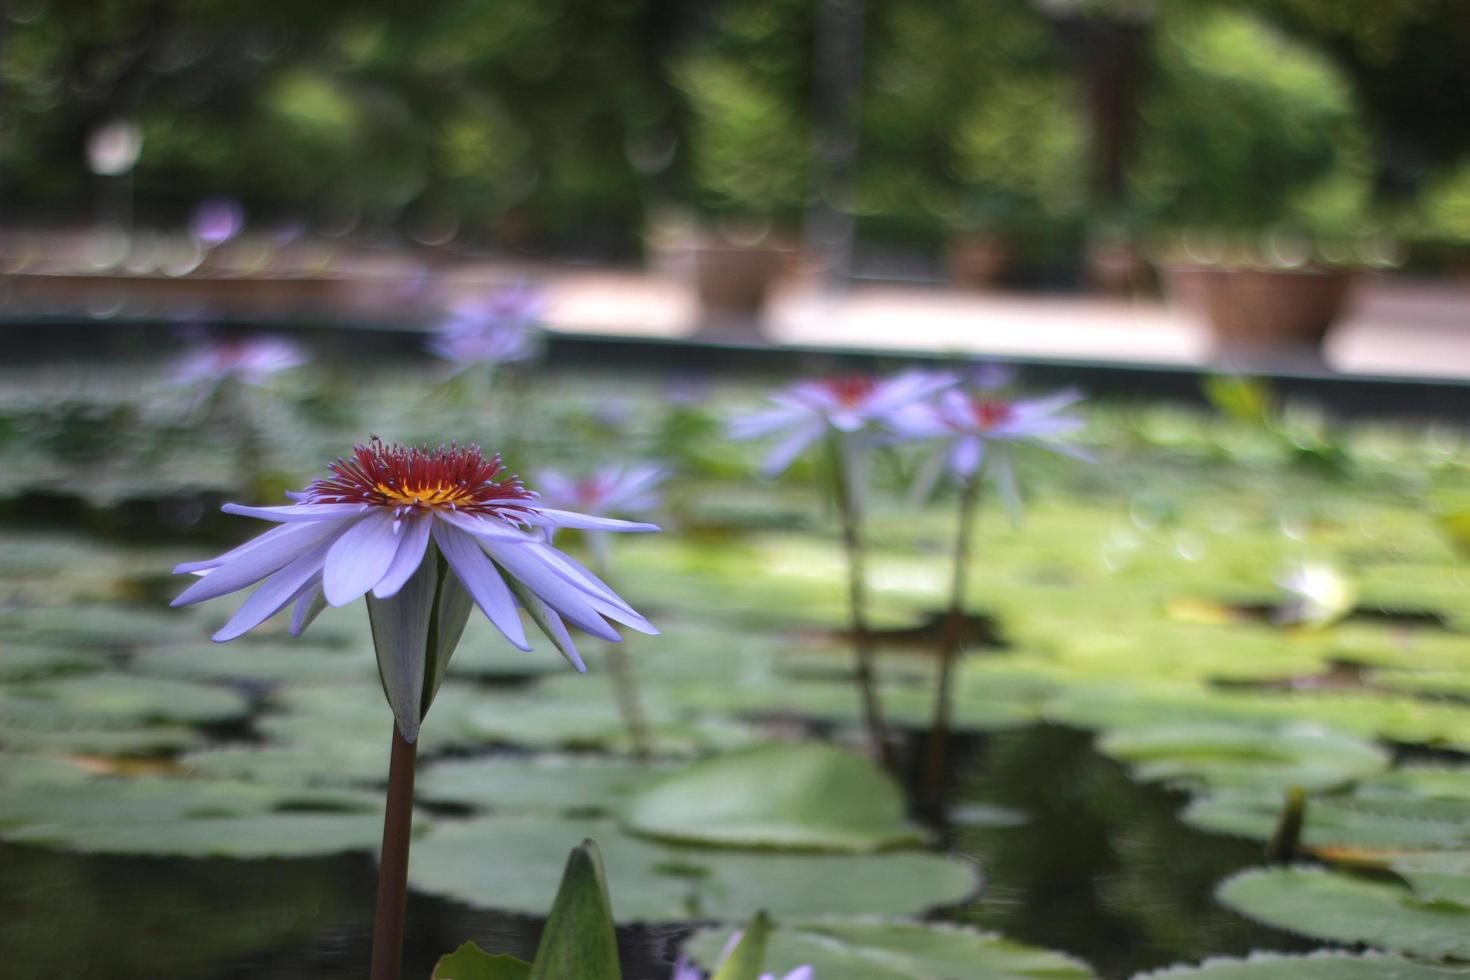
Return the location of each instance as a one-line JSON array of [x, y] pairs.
[[114, 700], [746, 960], [873, 949], [1330, 822], [1343, 908], [345, 762], [470, 962], [516, 861], [23, 662], [579, 940], [807, 796], [1312, 966], [1219, 756], [534, 784], [255, 663], [267, 835]]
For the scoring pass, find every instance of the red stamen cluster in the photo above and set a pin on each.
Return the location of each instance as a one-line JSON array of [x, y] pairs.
[[991, 412], [451, 477], [851, 390]]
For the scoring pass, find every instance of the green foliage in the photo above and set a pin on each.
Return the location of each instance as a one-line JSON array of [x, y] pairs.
[[470, 962], [513, 858], [578, 940], [875, 949], [1344, 908], [1246, 129], [747, 960], [1315, 966], [805, 797]]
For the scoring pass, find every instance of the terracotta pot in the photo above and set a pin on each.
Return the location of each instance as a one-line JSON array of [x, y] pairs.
[[1264, 310], [733, 282], [979, 261]]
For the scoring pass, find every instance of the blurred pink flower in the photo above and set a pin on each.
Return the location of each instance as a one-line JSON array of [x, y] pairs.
[[808, 410], [253, 360], [216, 220], [494, 329]]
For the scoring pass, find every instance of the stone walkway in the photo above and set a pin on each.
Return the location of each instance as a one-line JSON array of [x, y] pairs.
[[1399, 327]]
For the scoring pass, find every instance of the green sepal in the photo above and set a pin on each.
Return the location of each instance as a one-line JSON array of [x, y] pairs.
[[579, 940], [748, 958]]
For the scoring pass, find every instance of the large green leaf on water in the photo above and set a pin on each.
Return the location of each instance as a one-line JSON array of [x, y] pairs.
[[1350, 909], [1330, 822], [344, 762], [579, 940], [255, 663], [808, 796], [114, 700], [511, 863], [142, 740], [99, 627], [1313, 966], [470, 962], [23, 662], [534, 784], [1220, 756], [873, 949], [192, 818]]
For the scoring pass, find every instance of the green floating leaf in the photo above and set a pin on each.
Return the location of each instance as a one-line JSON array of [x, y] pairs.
[[806, 796], [114, 700], [1344, 908], [871, 949], [25, 662], [192, 818], [1313, 966], [345, 762], [1330, 822], [579, 940], [516, 861], [255, 663], [1224, 756], [470, 962], [534, 784]]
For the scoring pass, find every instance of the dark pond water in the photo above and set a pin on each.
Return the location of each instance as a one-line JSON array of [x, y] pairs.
[[1102, 869]]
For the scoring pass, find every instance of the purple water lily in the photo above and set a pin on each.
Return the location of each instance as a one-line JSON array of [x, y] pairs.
[[379, 526], [808, 410], [612, 490], [253, 360], [978, 429], [494, 329]]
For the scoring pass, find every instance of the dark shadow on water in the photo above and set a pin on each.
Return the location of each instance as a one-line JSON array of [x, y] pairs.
[[1103, 869]]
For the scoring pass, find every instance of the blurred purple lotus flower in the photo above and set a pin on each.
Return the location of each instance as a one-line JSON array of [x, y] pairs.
[[253, 360], [621, 490], [808, 410], [977, 428], [493, 329], [378, 526], [216, 220], [992, 375]]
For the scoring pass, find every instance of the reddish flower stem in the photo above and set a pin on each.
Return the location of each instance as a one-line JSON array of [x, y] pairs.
[[393, 863]]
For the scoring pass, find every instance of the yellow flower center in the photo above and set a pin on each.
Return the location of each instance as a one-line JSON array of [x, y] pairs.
[[433, 495]]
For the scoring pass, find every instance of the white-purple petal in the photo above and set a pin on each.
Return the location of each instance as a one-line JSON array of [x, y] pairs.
[[273, 594], [413, 541], [360, 558], [297, 512], [586, 522], [483, 582], [521, 562], [253, 565], [792, 446]]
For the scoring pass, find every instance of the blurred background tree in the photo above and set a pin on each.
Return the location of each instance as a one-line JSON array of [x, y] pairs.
[[561, 126]]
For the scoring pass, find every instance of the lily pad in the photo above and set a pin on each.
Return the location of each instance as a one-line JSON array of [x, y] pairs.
[[535, 784], [1313, 966], [806, 796], [1330, 822], [872, 949], [1344, 908], [516, 861], [1223, 756], [114, 700]]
